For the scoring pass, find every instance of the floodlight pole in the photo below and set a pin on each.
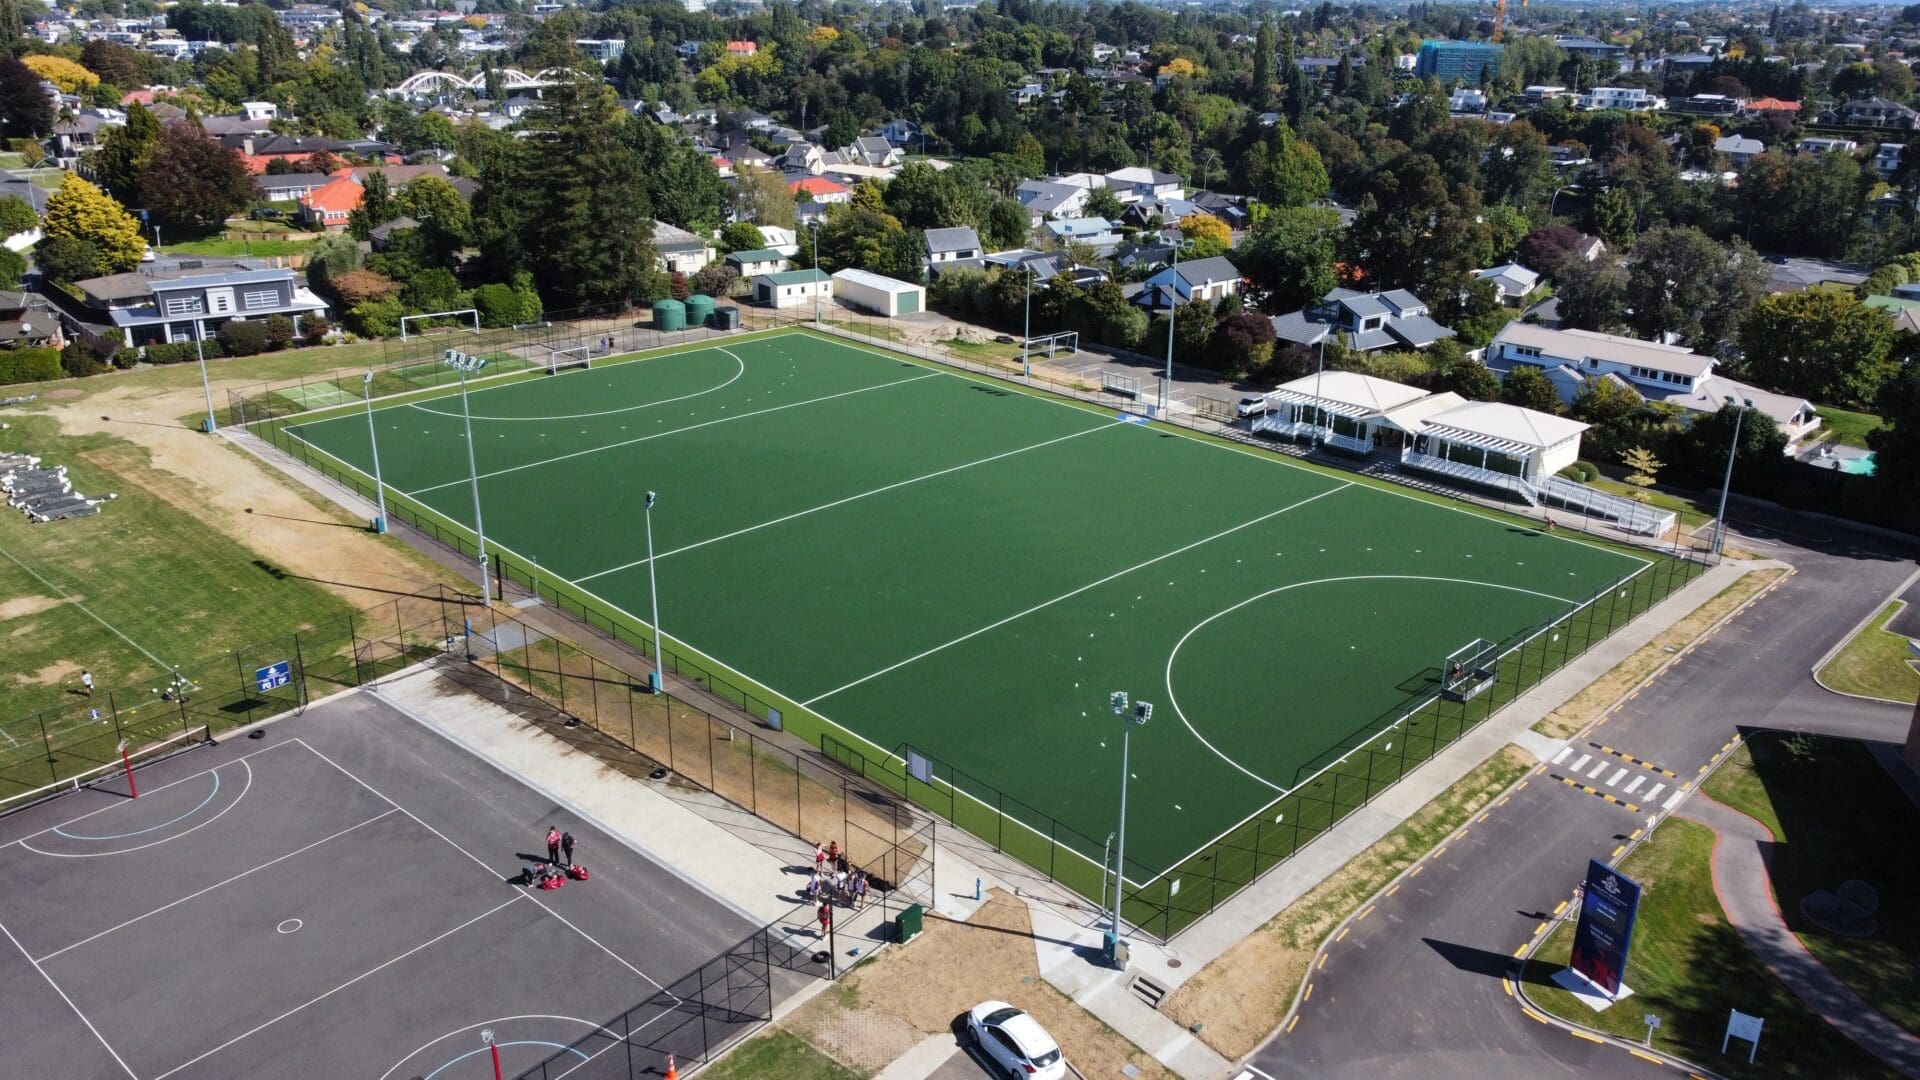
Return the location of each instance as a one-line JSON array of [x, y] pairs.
[[1319, 403], [200, 353], [1173, 309], [1726, 482], [653, 586], [1141, 712], [813, 232], [1026, 338], [461, 362], [373, 440]]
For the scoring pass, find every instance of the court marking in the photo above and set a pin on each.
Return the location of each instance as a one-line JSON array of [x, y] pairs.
[[1174, 654], [248, 786], [216, 885], [585, 1058], [517, 1042], [115, 1054], [640, 439], [117, 803], [491, 870], [62, 830], [256, 1029], [896, 485], [809, 703], [740, 371], [68, 597]]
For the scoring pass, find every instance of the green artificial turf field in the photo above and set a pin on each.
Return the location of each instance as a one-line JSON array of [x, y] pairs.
[[928, 559]]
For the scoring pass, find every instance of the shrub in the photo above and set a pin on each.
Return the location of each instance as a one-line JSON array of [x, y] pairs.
[[313, 330], [244, 338], [79, 361], [29, 365], [279, 332]]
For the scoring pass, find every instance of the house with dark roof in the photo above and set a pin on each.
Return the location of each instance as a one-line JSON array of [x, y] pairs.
[[958, 246], [188, 303], [1363, 322], [1212, 280], [1874, 112], [679, 251]]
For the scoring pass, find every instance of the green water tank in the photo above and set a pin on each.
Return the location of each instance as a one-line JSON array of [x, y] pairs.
[[699, 310], [669, 315]]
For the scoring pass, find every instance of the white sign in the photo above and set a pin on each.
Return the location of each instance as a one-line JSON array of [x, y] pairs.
[[1742, 1026]]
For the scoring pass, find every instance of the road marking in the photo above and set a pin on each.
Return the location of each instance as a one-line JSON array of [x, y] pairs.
[[1344, 931], [1598, 768], [1461, 835], [1483, 817], [1578, 765], [1674, 800], [1364, 912], [1503, 800], [1643, 1055], [1309, 994], [1589, 1038], [1635, 786], [1290, 1023], [1642, 762], [1439, 851], [1534, 1016], [1507, 985], [1654, 792], [1521, 951], [1635, 834], [1394, 888], [1560, 907], [1416, 870], [1538, 930], [1617, 777], [1617, 852], [1562, 755], [1524, 783], [1321, 966]]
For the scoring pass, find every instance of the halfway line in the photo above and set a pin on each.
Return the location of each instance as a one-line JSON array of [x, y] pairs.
[[851, 498], [664, 434], [809, 703]]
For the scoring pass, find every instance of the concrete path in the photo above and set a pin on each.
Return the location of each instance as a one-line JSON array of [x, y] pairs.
[[1741, 882]]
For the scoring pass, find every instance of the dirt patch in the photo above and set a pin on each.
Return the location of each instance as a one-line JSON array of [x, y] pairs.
[[22, 606], [63, 395], [52, 675], [920, 989], [1586, 706]]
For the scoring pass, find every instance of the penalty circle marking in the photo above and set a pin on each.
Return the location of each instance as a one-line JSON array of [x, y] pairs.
[[739, 371], [588, 1024], [222, 812], [62, 830], [1174, 701]]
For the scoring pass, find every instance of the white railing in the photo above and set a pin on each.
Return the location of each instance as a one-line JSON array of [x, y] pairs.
[[1472, 474], [1630, 516]]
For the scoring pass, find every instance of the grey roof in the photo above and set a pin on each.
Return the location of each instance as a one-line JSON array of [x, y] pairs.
[[113, 287], [1738, 144], [1201, 271], [673, 238], [959, 238], [1299, 328], [1044, 197], [1417, 331], [1364, 305], [289, 181]]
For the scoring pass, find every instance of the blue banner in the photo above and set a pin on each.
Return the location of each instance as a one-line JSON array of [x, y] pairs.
[[274, 676], [1608, 906]]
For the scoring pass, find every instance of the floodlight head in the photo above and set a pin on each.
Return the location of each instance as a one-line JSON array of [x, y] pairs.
[[1118, 699], [651, 496], [1142, 711], [367, 379]]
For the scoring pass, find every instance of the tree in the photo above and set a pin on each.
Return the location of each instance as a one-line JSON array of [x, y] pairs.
[[1615, 412], [1103, 203], [65, 258], [1415, 232], [1592, 295], [1193, 335], [25, 110], [1643, 465], [1260, 88], [1615, 217], [742, 236], [761, 196], [1471, 379], [1526, 387], [446, 224], [1823, 345], [332, 256], [1008, 224], [1288, 256], [16, 216], [1896, 443], [923, 197], [125, 153], [1545, 249], [1243, 344], [1683, 282], [13, 267], [1700, 451], [1208, 235], [114, 63], [80, 211], [195, 183], [376, 206], [715, 280], [61, 72]]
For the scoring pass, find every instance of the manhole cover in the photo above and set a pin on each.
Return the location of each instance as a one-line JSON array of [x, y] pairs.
[[1173, 961]]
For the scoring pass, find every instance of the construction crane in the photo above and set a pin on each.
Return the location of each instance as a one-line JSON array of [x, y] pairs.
[[1499, 18]]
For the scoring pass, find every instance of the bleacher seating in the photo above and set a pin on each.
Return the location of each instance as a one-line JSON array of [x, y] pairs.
[[1472, 474], [1630, 516]]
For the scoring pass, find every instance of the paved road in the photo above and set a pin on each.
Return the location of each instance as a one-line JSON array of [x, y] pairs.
[[1416, 988]]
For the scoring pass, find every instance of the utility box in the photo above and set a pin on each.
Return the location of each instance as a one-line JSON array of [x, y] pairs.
[[910, 923]]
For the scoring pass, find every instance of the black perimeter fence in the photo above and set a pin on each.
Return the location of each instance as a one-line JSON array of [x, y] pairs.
[[1160, 902]]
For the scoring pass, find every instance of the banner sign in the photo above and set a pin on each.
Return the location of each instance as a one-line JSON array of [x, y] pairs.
[[273, 676], [1608, 906]]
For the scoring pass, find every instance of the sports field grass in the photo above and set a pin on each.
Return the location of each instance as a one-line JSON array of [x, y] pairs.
[[928, 559]]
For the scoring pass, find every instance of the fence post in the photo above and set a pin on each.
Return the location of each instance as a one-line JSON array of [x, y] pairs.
[[113, 710]]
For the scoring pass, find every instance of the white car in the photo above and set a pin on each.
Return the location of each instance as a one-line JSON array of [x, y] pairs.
[[1014, 1042], [1254, 405]]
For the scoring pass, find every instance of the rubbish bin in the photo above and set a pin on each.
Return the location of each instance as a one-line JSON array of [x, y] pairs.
[[910, 922]]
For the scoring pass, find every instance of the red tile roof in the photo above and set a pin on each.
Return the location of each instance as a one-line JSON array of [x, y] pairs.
[[1773, 104], [818, 185], [340, 196]]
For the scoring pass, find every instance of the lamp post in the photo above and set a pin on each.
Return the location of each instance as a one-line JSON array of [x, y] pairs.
[[1142, 712], [200, 354], [1026, 332], [813, 231], [1173, 307], [373, 440], [1726, 483], [465, 364], [659, 680], [1319, 372]]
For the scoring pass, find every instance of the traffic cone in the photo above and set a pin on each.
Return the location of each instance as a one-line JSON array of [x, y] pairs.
[[672, 1073]]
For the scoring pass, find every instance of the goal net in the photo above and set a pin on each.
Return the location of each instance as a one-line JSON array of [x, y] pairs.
[[1064, 343], [1468, 670], [561, 357], [1124, 385]]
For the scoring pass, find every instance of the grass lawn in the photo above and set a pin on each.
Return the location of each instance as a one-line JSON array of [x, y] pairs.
[[177, 589], [1844, 427], [778, 1052], [981, 352], [1691, 515], [1816, 794], [1874, 663], [231, 245], [1689, 967]]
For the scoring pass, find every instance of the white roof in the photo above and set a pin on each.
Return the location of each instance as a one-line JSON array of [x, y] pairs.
[[1361, 394], [1412, 417], [1709, 396], [874, 281], [1495, 422], [1574, 346]]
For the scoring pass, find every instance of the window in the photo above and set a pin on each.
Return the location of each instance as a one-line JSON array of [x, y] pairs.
[[184, 305], [262, 299], [222, 302], [1526, 350]]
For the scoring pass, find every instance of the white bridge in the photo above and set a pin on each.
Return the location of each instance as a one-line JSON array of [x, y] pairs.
[[433, 82]]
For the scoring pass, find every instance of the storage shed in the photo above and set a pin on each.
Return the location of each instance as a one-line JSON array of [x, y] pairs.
[[881, 295], [792, 288]]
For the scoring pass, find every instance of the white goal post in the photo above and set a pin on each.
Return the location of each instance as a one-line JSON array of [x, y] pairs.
[[561, 357], [471, 313]]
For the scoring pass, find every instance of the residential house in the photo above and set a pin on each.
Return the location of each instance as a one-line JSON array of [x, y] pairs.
[[291, 187], [1739, 149], [1464, 100], [1765, 105], [742, 48], [780, 238], [381, 236], [1541, 94], [1045, 199], [757, 261], [25, 319], [1046, 266], [1095, 232], [180, 305], [76, 136], [820, 189], [1590, 48], [875, 152], [330, 204], [1887, 157], [1513, 282], [1135, 183], [1625, 98], [1710, 105], [958, 246], [901, 132], [1363, 322], [1874, 112], [679, 251], [1822, 145], [1213, 279], [605, 50]]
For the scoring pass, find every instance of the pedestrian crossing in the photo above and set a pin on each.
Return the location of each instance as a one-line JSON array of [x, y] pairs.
[[1629, 776]]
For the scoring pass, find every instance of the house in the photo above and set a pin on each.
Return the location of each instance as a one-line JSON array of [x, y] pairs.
[[1211, 280], [901, 132], [1765, 105], [605, 50], [781, 239], [956, 246], [883, 296], [792, 288], [1541, 94], [1874, 112], [757, 261], [679, 251], [381, 236], [1047, 266], [874, 152], [742, 48], [78, 135], [1364, 322], [1514, 282], [1669, 373], [1045, 199], [1097, 232], [1822, 145], [1887, 157], [291, 187], [1590, 48], [1465, 100], [1136, 183], [26, 320], [330, 204], [1629, 99], [803, 156], [1710, 105], [820, 189], [1589, 248], [1739, 149], [181, 305]]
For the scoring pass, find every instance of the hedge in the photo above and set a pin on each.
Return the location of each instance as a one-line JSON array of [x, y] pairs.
[[30, 365], [181, 352]]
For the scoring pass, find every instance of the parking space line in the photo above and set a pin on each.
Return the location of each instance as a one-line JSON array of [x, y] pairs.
[[1598, 768], [1654, 792]]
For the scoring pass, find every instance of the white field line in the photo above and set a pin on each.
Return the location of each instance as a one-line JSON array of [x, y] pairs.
[[115, 1054], [1043, 605], [738, 372], [89, 611], [910, 481], [664, 434]]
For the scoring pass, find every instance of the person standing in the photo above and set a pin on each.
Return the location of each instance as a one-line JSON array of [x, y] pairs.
[[566, 846], [826, 918], [819, 858], [86, 683], [860, 891], [553, 844]]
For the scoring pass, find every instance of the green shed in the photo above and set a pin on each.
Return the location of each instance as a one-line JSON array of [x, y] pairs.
[[669, 314]]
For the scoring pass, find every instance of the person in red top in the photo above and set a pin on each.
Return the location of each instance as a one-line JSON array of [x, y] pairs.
[[553, 844]]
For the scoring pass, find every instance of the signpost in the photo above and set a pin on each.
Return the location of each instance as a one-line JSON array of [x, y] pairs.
[[1742, 1026], [1653, 1024], [1609, 903]]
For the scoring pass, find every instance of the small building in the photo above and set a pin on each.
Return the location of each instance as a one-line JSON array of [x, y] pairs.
[[1513, 282], [331, 204], [679, 251], [1364, 322], [881, 295], [1212, 280], [960, 244], [758, 261], [1739, 149], [792, 288]]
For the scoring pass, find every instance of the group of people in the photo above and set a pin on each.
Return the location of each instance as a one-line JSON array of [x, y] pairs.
[[834, 881], [559, 865]]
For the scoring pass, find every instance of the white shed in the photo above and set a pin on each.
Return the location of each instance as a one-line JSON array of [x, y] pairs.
[[882, 295], [792, 288]]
